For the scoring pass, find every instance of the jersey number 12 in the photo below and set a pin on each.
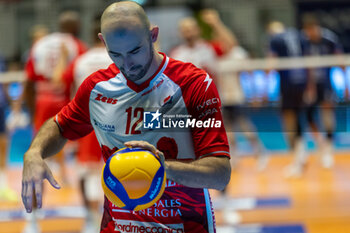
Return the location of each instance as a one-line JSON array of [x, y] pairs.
[[138, 114]]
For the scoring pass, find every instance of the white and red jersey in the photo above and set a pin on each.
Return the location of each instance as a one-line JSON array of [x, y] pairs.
[[46, 52], [202, 55], [42, 61], [114, 107], [94, 59]]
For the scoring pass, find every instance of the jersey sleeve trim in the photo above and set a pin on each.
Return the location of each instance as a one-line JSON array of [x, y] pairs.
[[216, 153], [55, 119]]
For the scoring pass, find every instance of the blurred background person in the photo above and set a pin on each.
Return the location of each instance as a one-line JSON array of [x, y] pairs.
[[6, 193], [319, 95], [17, 118], [194, 48], [44, 95], [89, 151], [37, 32], [236, 109], [207, 54], [284, 43], [222, 38], [234, 102]]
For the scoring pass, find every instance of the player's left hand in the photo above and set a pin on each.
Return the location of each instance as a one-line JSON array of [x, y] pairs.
[[147, 146]]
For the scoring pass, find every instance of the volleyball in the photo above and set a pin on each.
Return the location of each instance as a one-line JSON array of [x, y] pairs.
[[133, 178]]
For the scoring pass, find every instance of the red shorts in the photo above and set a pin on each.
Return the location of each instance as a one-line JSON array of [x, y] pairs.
[[89, 150], [45, 108]]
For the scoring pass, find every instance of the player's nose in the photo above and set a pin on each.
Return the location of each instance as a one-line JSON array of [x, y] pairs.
[[128, 63]]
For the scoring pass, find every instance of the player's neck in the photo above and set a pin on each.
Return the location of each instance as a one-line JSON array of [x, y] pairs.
[[98, 44], [156, 62]]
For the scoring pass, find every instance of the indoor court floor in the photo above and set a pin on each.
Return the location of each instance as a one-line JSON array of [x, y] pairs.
[[255, 201]]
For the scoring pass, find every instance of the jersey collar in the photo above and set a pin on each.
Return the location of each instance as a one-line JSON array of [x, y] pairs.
[[138, 88]]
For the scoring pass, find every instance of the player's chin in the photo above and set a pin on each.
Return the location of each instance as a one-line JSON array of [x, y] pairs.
[[133, 77]]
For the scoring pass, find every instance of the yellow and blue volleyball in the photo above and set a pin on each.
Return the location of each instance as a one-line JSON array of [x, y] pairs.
[[133, 178]]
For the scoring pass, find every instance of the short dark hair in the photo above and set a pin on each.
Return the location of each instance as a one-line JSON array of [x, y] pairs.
[[69, 22]]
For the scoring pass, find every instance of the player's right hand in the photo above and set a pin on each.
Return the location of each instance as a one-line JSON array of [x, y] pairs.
[[35, 170]]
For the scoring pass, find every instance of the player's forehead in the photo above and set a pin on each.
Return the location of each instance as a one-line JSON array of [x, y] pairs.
[[125, 39], [187, 23]]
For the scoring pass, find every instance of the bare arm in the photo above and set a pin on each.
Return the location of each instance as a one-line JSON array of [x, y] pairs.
[[207, 172], [220, 31], [60, 67], [47, 142], [29, 97]]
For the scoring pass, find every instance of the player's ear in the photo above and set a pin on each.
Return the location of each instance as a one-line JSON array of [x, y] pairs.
[[101, 38], [154, 34]]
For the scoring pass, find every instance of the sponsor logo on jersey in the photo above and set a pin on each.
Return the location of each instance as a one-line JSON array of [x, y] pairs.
[[104, 127], [143, 227], [163, 208], [106, 99], [208, 80], [168, 99], [207, 103], [208, 112], [153, 88]]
